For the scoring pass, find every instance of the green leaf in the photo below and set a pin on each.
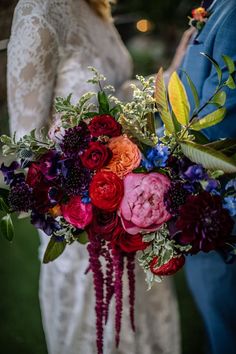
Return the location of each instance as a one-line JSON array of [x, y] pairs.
[[216, 65], [208, 157], [226, 146], [193, 90], [83, 238], [104, 106], [115, 110], [162, 103], [54, 250], [230, 83], [89, 114], [219, 99], [151, 126], [6, 139], [229, 63], [209, 120], [200, 138], [6, 227], [4, 206], [178, 99]]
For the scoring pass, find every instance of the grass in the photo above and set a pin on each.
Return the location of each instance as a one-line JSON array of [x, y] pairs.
[[20, 322]]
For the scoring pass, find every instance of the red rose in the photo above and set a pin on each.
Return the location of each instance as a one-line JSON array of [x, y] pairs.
[[169, 268], [77, 213], [104, 124], [103, 224], [96, 156], [126, 242], [106, 191]]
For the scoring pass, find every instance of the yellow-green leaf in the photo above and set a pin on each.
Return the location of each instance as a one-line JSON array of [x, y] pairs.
[[209, 120], [162, 103], [209, 158], [178, 99]]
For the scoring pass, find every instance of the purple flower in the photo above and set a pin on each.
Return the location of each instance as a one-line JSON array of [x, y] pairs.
[[76, 140], [45, 223], [20, 196], [175, 197], [212, 186], [76, 178], [9, 172], [195, 173]]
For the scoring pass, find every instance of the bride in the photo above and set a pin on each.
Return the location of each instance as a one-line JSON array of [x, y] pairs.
[[51, 45]]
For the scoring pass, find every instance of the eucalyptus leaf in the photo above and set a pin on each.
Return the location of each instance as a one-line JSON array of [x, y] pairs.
[[229, 63], [6, 227], [209, 120], [216, 65], [54, 250], [208, 157]]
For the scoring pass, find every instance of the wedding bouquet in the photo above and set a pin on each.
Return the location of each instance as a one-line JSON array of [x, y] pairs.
[[103, 177]]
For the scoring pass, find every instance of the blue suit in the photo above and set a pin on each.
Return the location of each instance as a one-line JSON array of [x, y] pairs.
[[211, 280]]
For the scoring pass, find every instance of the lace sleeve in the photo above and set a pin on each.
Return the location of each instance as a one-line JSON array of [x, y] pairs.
[[31, 72]]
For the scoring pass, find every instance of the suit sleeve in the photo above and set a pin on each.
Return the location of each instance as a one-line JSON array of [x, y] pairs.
[[225, 43]]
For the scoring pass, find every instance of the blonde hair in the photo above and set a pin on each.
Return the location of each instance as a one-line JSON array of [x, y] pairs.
[[102, 7]]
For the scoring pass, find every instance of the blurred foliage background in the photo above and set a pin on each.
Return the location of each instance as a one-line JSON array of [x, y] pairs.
[[151, 30]]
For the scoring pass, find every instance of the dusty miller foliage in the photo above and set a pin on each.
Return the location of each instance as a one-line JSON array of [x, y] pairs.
[[162, 247]]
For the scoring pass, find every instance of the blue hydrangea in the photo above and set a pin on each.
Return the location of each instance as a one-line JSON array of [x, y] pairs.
[[156, 157], [231, 184], [230, 204]]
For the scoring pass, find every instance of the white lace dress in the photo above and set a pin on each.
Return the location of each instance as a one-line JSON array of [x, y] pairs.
[[51, 45]]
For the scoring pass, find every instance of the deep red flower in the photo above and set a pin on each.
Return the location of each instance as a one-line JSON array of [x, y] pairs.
[[34, 176], [104, 124], [203, 223], [170, 268], [96, 156], [126, 242], [106, 191], [103, 224]]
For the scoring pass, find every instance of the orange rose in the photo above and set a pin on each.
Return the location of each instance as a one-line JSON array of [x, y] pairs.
[[126, 156], [199, 14]]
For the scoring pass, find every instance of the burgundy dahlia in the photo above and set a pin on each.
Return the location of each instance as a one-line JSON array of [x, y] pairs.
[[76, 140], [20, 197], [175, 197], [203, 223]]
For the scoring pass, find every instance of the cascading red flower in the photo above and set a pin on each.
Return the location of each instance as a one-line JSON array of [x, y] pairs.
[[106, 191]]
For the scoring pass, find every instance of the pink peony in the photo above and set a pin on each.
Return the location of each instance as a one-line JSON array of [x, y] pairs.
[[142, 208], [77, 213]]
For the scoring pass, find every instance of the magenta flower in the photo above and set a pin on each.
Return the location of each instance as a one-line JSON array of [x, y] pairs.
[[142, 207], [77, 213]]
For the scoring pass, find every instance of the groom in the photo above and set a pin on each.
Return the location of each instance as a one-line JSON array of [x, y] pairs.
[[211, 280]]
